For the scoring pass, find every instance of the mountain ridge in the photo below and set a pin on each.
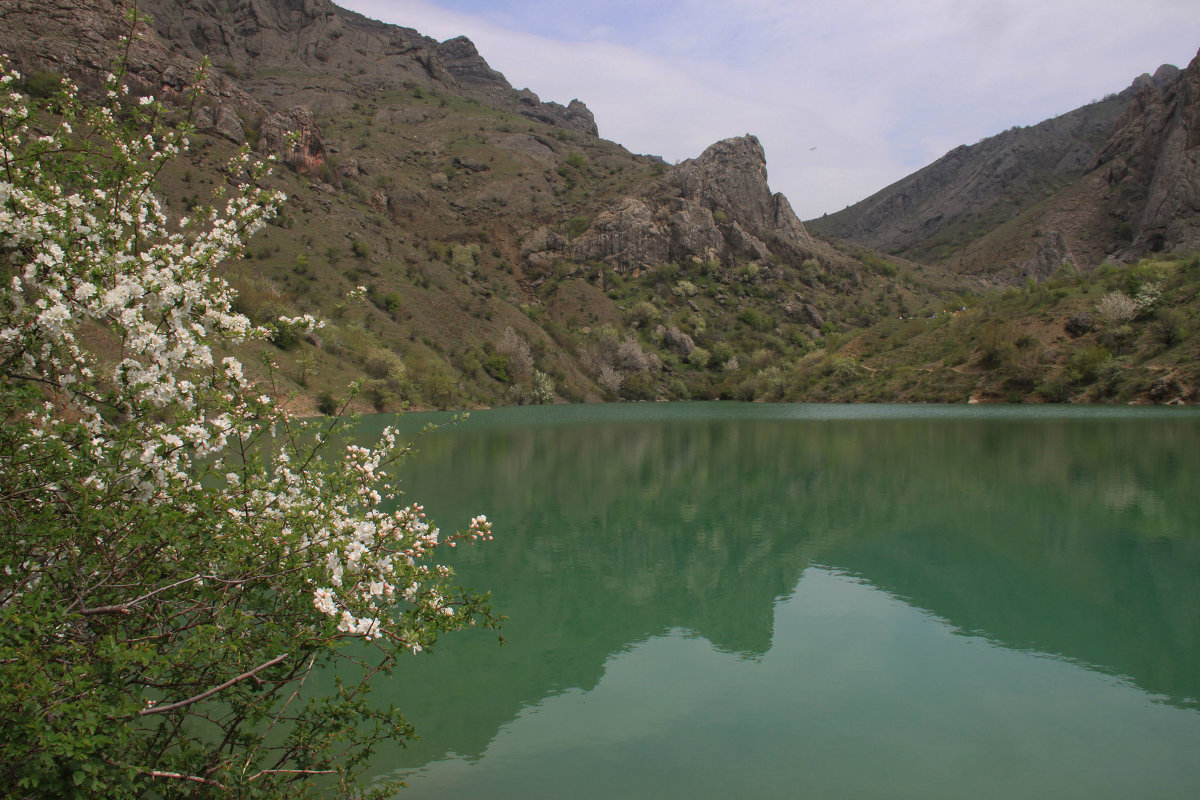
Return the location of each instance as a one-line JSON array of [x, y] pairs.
[[955, 210], [509, 254]]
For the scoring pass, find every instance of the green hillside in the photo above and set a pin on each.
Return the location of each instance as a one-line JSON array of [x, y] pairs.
[[469, 245]]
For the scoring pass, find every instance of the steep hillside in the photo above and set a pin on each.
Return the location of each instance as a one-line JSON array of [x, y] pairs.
[[1141, 195], [936, 212]]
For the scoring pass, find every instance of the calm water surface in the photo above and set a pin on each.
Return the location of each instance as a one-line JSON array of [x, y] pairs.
[[727, 600]]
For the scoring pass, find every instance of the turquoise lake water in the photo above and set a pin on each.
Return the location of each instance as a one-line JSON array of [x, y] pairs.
[[718, 600]]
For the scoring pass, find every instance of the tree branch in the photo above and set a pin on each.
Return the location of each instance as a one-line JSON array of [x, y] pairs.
[[123, 608], [214, 690], [258, 775], [157, 773]]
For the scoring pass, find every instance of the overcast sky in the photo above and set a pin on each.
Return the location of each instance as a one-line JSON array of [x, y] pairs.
[[846, 96]]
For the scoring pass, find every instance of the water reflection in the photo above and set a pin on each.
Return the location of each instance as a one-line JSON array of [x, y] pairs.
[[1061, 535]]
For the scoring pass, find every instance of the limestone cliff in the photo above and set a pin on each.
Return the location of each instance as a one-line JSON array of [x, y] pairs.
[[1151, 164], [1140, 195], [717, 207]]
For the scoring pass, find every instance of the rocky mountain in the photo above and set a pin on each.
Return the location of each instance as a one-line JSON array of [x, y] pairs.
[[271, 55], [716, 208], [1139, 195], [940, 212]]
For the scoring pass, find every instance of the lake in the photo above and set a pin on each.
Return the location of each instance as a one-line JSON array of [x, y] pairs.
[[713, 600]]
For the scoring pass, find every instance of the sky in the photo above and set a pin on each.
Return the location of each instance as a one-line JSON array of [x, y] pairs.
[[846, 96]]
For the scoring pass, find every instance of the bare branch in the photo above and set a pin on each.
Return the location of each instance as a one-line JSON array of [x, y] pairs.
[[158, 773], [258, 775], [214, 690], [123, 608], [282, 709]]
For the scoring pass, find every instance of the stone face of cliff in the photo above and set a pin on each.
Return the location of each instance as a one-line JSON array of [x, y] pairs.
[[1151, 164], [943, 207], [1140, 195], [715, 208]]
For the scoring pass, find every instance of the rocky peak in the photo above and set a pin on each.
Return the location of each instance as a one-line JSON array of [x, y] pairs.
[[1151, 163], [464, 62], [730, 177], [1163, 77], [575, 116], [717, 207]]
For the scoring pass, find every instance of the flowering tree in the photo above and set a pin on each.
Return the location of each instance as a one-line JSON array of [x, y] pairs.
[[177, 554]]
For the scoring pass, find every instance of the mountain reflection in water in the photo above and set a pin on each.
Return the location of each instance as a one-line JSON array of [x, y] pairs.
[[1069, 534]]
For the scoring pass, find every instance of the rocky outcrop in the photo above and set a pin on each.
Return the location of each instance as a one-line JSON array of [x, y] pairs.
[[223, 120], [1151, 162], [1162, 78], [717, 207], [1053, 253], [294, 138], [463, 61], [82, 41], [575, 116], [629, 237], [579, 117]]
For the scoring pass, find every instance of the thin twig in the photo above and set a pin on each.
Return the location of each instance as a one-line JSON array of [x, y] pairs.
[[275, 718], [158, 773], [123, 608], [258, 775], [214, 690]]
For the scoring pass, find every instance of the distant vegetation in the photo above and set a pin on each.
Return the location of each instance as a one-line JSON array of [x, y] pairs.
[[1127, 333]]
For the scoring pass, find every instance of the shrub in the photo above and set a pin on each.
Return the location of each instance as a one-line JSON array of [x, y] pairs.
[[722, 352], [179, 555], [754, 318], [1085, 362], [327, 404], [542, 389], [519, 357], [643, 314], [42, 84], [392, 302], [464, 256], [576, 226], [1171, 327], [1116, 308]]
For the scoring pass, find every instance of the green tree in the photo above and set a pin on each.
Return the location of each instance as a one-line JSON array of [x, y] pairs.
[[179, 553]]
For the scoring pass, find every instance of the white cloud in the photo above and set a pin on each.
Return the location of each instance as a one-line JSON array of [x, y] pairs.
[[878, 87]]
